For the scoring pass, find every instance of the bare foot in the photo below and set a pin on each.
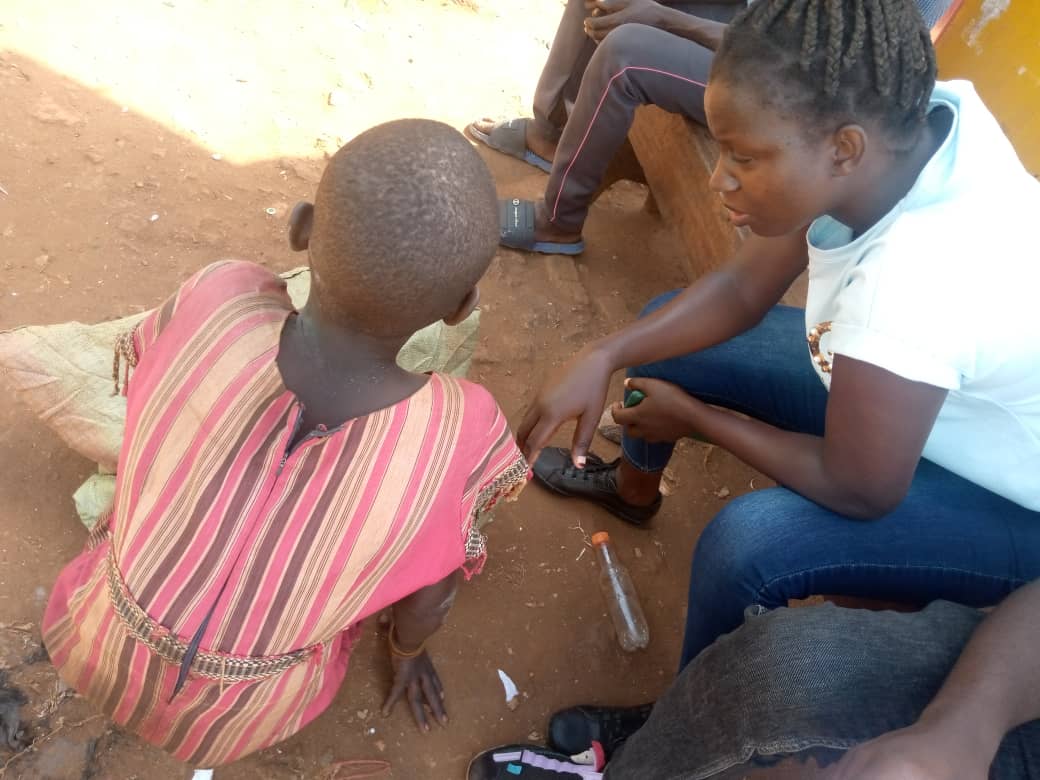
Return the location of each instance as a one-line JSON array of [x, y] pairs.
[[537, 141]]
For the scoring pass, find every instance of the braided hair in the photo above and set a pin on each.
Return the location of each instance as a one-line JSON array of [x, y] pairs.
[[835, 61]]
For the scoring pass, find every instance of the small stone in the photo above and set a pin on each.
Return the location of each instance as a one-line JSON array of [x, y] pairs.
[[153, 218], [637, 552], [380, 746], [139, 184], [217, 156], [513, 703], [362, 714], [722, 492], [42, 261], [159, 153], [94, 156], [534, 736]]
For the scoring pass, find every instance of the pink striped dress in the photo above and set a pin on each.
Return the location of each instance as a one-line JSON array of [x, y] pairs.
[[268, 558]]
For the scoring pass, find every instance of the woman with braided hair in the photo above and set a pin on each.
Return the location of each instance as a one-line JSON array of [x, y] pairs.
[[899, 413]]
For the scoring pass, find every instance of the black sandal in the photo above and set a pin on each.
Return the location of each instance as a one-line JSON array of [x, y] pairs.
[[516, 230], [510, 137]]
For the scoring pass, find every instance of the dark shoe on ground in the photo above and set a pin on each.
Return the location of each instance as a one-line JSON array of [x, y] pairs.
[[531, 762], [510, 138], [595, 483], [575, 729]]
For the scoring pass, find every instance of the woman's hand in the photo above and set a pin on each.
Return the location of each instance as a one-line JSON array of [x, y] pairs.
[[665, 415], [608, 14], [416, 679], [577, 391]]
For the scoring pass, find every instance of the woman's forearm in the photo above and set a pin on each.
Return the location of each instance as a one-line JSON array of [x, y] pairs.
[[715, 308], [795, 460]]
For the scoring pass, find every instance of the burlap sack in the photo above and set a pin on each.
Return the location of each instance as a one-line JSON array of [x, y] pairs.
[[63, 373]]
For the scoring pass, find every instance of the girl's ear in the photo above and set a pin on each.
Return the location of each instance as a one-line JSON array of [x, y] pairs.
[[300, 223], [850, 146]]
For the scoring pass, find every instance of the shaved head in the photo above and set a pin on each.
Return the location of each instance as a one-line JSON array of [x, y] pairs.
[[405, 224]]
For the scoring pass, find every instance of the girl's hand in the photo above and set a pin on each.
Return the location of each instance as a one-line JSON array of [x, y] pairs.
[[665, 415], [417, 679]]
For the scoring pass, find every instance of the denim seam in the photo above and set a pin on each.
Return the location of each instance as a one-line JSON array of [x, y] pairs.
[[771, 748], [887, 566]]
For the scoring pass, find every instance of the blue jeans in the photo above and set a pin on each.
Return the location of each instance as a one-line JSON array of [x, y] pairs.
[[949, 538]]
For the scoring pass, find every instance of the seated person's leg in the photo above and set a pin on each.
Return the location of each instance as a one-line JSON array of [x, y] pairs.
[[635, 65], [559, 84], [809, 681], [948, 539], [534, 140]]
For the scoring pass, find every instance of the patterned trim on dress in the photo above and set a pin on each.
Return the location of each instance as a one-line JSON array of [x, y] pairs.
[[125, 349], [505, 487], [213, 666], [815, 335]]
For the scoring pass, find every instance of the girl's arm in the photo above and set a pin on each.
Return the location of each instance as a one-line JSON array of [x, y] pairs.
[[415, 619]]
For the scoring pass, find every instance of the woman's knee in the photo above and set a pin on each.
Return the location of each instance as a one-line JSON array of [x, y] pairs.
[[624, 43], [736, 547], [658, 302]]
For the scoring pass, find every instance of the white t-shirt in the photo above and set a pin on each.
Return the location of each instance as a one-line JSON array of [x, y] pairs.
[[945, 289]]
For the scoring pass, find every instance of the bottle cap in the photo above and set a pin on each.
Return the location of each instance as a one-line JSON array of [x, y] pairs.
[[600, 537]]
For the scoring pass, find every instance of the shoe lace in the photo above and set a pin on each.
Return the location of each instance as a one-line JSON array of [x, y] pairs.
[[593, 468]]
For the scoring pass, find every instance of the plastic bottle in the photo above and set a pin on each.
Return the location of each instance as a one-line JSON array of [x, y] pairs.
[[620, 596]]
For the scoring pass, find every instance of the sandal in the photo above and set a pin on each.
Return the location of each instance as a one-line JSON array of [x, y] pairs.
[[510, 138], [516, 230], [594, 483]]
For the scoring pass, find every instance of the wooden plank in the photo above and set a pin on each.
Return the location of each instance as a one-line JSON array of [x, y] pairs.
[[678, 157]]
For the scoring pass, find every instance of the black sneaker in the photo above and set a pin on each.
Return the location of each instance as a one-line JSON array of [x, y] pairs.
[[575, 729], [594, 483], [530, 762]]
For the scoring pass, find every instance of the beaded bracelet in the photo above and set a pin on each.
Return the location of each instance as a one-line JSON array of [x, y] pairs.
[[397, 651]]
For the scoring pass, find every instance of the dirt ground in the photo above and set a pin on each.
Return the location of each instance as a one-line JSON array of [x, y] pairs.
[[144, 140]]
